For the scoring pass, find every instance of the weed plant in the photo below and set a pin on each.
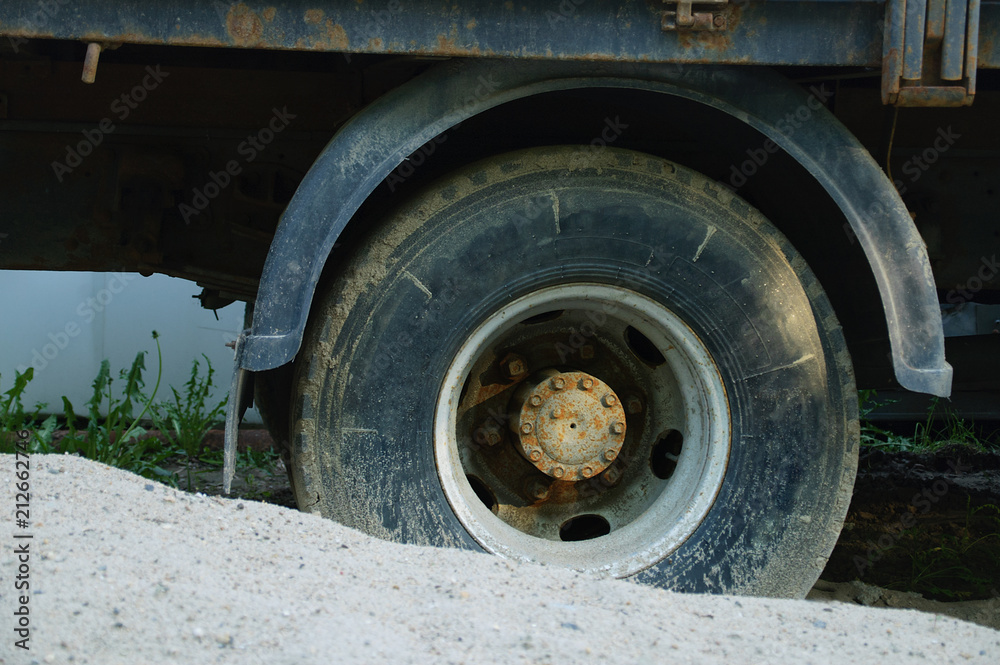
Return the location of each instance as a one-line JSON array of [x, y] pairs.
[[15, 420], [118, 439], [186, 419], [940, 428]]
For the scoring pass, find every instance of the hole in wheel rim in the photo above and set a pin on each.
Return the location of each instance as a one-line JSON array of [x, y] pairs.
[[542, 318], [666, 450], [584, 527], [643, 348], [484, 493]]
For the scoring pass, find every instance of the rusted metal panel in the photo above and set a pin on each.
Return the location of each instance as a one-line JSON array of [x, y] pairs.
[[953, 48], [936, 66], [913, 54], [845, 33]]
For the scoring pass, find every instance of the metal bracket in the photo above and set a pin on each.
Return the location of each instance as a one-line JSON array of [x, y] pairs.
[[240, 399], [691, 15], [929, 53]]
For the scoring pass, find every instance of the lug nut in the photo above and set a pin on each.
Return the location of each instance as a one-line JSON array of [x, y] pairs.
[[534, 456], [557, 413], [719, 20], [587, 472], [610, 454], [610, 400], [514, 365], [558, 383], [558, 472], [526, 428], [611, 476], [633, 405], [535, 400], [537, 490], [587, 383], [488, 433], [618, 428]]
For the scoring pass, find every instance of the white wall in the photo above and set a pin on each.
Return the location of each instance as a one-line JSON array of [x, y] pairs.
[[64, 323]]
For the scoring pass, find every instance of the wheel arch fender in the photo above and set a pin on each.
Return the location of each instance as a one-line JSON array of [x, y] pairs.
[[378, 139]]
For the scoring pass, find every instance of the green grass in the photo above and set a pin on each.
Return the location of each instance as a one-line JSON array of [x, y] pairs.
[[953, 561], [186, 419], [941, 428], [118, 438], [963, 565], [16, 423]]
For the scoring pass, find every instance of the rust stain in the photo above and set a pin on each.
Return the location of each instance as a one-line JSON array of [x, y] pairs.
[[244, 26], [337, 36], [444, 44], [375, 43], [471, 24], [709, 40], [193, 40], [314, 16], [571, 426], [269, 13]]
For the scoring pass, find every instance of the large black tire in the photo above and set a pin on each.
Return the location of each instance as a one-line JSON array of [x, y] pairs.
[[737, 467]]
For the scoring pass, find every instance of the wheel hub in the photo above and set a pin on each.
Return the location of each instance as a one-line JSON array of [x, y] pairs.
[[570, 425]]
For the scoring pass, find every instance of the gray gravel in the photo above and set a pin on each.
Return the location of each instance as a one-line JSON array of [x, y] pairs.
[[124, 570]]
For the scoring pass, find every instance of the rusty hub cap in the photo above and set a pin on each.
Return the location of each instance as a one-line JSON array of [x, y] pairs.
[[571, 426]]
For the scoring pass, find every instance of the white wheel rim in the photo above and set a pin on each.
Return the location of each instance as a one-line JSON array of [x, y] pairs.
[[690, 392]]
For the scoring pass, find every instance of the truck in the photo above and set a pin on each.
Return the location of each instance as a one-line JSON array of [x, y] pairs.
[[591, 283]]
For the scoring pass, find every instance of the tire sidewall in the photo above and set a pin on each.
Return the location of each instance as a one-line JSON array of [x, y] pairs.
[[398, 315]]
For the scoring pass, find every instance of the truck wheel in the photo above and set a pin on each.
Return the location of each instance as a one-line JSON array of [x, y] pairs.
[[598, 360]]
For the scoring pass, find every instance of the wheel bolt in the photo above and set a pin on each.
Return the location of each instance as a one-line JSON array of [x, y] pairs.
[[610, 400], [537, 490], [513, 365], [535, 400], [587, 472], [610, 454], [558, 383], [558, 472], [557, 413], [633, 404], [488, 432], [587, 383], [534, 455], [611, 476], [618, 428], [526, 428]]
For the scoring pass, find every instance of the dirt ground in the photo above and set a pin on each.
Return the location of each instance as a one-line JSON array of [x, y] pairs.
[[128, 570]]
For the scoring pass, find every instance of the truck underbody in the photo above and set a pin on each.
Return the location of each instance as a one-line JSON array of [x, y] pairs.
[[260, 150]]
